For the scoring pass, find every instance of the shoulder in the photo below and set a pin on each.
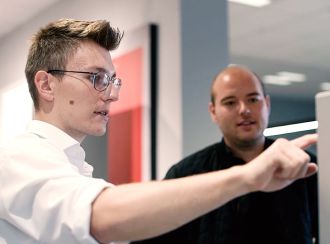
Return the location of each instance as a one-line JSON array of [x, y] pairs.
[[31, 157], [29, 146], [195, 163]]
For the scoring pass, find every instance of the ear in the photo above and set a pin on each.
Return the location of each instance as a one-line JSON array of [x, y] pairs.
[[212, 112], [44, 85], [268, 103]]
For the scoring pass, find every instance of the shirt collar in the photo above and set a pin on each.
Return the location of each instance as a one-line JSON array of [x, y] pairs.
[[71, 147], [228, 153], [57, 137], [227, 149], [52, 133]]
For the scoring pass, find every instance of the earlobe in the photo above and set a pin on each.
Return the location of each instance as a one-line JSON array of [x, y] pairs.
[[212, 111], [44, 86]]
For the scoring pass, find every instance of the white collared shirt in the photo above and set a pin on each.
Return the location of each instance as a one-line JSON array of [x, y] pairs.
[[46, 189]]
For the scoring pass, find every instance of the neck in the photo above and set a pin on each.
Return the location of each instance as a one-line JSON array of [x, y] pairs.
[[246, 150], [40, 115]]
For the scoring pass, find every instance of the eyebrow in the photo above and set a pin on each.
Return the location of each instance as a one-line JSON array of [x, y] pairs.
[[112, 75], [248, 95], [227, 98], [253, 94]]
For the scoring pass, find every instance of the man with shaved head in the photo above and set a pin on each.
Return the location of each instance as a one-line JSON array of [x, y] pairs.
[[240, 107]]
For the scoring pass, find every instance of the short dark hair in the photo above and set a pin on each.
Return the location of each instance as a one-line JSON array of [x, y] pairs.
[[53, 44]]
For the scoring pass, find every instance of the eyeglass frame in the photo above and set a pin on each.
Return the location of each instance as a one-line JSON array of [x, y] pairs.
[[111, 80]]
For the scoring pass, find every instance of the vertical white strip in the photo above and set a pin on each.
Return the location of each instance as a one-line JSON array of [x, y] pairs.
[[323, 146], [16, 110]]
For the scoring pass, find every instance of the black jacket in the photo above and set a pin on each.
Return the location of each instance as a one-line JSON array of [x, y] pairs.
[[288, 216]]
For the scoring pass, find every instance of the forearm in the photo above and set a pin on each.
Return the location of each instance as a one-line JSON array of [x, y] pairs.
[[143, 210]]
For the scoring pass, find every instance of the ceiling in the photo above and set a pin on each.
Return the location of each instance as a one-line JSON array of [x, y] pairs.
[[287, 35], [14, 13]]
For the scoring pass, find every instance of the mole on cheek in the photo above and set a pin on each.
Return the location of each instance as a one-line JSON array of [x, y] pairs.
[[71, 102]]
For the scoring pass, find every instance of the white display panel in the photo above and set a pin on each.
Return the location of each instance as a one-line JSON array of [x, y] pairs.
[[323, 153]]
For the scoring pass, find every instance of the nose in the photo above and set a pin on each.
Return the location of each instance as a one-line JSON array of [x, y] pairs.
[[114, 94], [244, 109], [111, 93]]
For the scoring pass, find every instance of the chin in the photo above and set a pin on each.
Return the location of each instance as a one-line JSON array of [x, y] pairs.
[[98, 132], [249, 139]]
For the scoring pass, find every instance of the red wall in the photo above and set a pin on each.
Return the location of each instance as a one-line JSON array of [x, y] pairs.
[[125, 127]]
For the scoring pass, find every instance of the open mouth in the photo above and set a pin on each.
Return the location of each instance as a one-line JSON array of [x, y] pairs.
[[244, 123], [103, 113]]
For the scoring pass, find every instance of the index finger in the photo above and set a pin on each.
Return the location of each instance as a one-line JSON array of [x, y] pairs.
[[305, 141]]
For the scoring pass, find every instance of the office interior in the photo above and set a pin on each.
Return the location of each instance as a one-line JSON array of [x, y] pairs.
[[195, 40]]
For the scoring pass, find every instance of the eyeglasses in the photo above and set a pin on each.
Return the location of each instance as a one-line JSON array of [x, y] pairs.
[[100, 80]]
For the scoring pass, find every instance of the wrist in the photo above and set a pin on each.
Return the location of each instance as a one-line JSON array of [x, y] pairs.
[[243, 179]]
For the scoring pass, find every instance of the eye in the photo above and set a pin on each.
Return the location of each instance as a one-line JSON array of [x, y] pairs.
[[254, 99], [229, 103], [97, 78], [100, 79], [92, 77]]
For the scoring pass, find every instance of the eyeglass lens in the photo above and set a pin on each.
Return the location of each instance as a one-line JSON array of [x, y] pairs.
[[103, 80]]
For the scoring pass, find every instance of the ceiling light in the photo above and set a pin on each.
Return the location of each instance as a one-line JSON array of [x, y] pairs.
[[284, 78], [253, 3], [286, 129], [275, 80], [292, 77]]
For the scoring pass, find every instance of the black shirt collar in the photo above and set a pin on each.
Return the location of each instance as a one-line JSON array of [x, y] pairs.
[[230, 159]]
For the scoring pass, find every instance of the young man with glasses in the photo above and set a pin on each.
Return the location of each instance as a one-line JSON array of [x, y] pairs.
[[47, 194]]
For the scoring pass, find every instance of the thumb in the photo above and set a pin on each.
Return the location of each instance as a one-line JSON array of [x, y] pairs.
[[312, 169], [305, 141]]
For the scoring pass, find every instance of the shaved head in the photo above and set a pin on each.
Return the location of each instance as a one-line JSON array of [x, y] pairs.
[[237, 71]]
